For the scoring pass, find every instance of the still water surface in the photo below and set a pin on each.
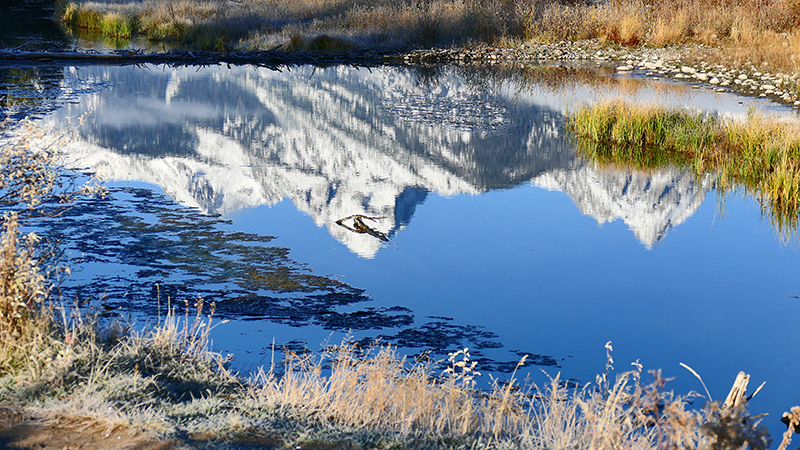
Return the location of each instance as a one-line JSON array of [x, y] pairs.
[[488, 231]]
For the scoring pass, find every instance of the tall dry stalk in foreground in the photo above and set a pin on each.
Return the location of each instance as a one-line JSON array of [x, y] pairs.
[[792, 421], [25, 311], [31, 175]]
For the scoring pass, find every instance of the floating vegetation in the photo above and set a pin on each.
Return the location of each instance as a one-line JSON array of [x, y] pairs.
[[173, 251], [759, 155]]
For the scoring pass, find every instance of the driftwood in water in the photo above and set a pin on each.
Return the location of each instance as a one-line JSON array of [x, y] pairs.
[[360, 227]]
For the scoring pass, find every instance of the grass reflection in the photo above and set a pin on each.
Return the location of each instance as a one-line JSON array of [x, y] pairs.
[[759, 155]]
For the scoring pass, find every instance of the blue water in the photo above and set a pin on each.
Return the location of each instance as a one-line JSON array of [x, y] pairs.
[[501, 239], [716, 294]]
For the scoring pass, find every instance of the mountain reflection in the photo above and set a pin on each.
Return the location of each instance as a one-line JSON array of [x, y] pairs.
[[347, 141], [650, 204], [139, 251]]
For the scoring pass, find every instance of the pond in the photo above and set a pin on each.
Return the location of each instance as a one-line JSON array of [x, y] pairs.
[[433, 208]]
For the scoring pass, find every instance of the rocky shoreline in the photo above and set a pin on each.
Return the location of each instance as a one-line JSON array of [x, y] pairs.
[[688, 64]]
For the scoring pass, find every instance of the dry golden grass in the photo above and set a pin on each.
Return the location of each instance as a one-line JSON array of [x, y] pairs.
[[765, 32], [750, 32], [382, 391], [24, 303]]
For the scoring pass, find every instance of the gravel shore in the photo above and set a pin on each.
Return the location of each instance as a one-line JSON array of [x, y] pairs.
[[693, 64]]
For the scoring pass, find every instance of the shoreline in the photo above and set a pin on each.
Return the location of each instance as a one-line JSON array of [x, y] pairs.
[[691, 64]]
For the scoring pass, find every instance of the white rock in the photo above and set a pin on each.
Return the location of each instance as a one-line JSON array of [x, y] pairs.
[[742, 77], [767, 87], [725, 83], [702, 77], [624, 68], [687, 69], [714, 80]]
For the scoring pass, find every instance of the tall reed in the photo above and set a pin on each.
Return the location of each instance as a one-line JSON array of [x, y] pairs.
[[25, 309]]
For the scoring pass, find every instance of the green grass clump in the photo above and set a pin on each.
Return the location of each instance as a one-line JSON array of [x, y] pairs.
[[112, 24], [760, 155]]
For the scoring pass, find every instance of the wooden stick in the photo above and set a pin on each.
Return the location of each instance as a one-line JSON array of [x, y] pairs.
[[736, 396]]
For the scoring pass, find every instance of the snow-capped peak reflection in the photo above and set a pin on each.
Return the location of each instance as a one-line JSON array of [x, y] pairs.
[[343, 142]]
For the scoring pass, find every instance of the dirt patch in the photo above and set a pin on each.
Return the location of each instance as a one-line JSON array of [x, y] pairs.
[[18, 431]]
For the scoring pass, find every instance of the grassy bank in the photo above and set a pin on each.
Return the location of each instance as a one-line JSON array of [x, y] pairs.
[[755, 32], [759, 155]]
